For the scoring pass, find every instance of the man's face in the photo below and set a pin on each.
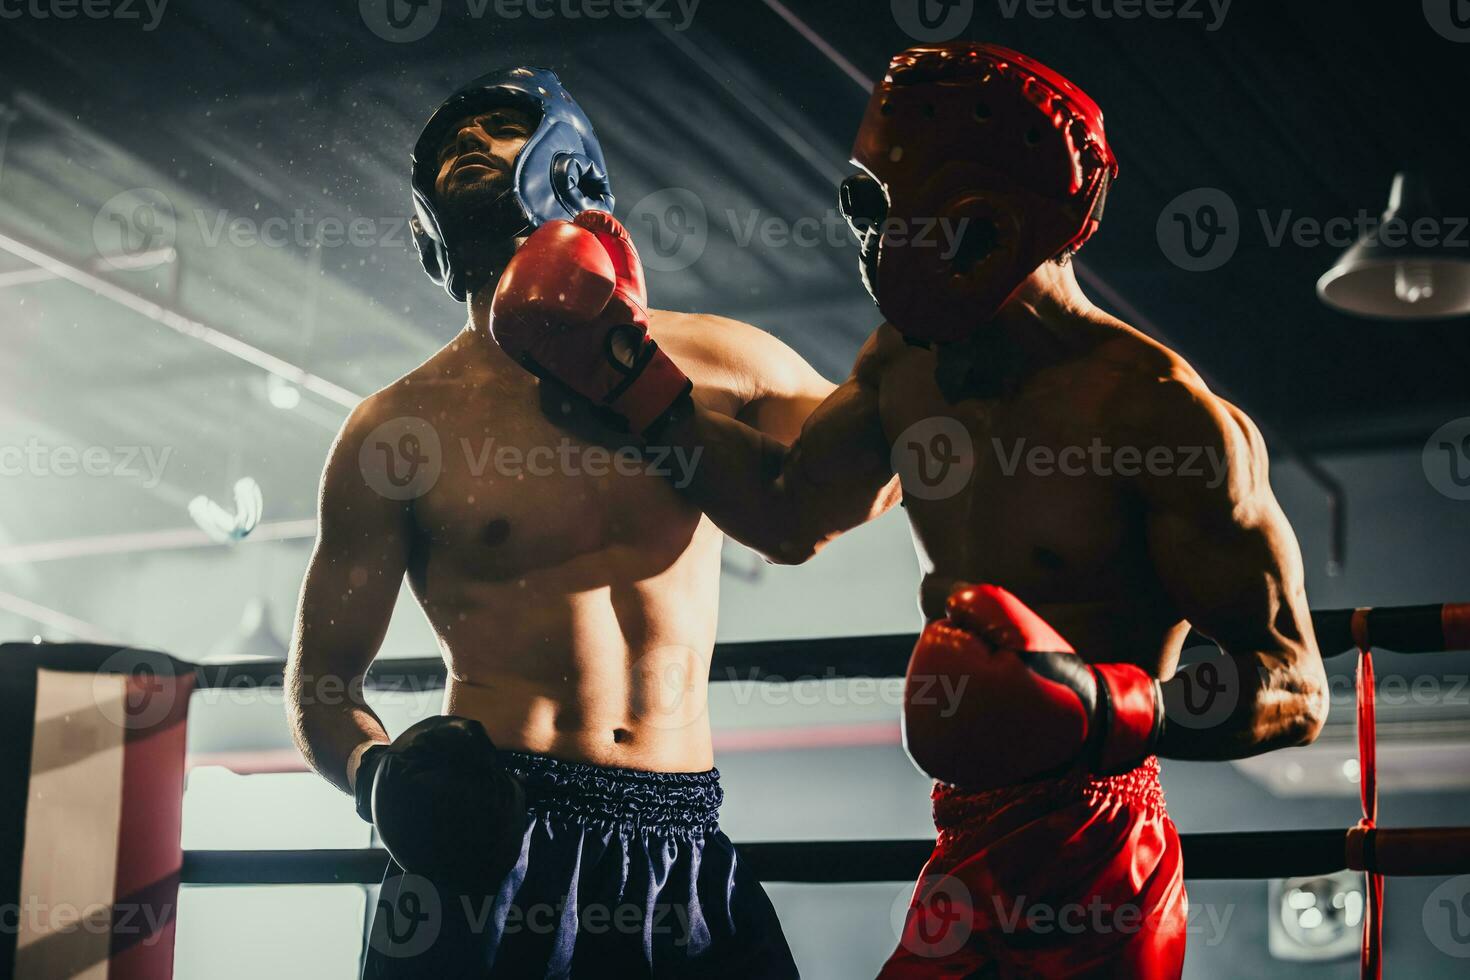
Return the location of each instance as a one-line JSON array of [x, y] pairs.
[[477, 160]]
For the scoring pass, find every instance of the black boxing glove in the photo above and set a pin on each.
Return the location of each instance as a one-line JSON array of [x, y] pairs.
[[443, 804]]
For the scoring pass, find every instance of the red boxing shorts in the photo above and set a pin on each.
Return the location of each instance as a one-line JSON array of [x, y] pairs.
[[1065, 877]]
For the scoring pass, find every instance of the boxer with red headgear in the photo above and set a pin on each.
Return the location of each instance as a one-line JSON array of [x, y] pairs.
[[1087, 471], [986, 142]]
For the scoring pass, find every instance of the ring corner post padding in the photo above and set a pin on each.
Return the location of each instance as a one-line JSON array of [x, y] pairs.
[[1418, 851], [96, 775], [17, 708]]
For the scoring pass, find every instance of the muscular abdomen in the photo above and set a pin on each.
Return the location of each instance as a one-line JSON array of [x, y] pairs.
[[583, 636]]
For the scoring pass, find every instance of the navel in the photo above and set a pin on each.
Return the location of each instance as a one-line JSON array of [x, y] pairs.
[[496, 532]]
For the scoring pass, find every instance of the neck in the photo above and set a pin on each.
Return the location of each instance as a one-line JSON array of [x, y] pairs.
[[1035, 327], [479, 307], [491, 258], [1050, 291]]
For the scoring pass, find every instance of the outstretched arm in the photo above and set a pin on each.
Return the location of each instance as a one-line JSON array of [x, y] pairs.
[[1229, 560], [783, 500], [351, 585]]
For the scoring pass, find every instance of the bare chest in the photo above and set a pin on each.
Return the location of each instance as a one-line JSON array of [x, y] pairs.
[[1024, 490], [516, 493]]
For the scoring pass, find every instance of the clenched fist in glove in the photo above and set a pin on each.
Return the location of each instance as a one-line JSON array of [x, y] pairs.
[[570, 306], [444, 805], [994, 696]]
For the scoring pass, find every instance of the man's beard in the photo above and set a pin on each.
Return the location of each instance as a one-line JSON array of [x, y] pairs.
[[474, 193], [471, 213], [483, 221], [481, 226]]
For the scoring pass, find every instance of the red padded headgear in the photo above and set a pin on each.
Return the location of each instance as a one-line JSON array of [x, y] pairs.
[[975, 137]]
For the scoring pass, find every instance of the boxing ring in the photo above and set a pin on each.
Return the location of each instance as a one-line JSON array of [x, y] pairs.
[[150, 864], [1419, 629]]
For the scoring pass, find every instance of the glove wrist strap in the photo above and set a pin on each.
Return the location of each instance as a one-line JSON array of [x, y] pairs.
[[681, 409], [362, 789], [649, 397], [1134, 716]]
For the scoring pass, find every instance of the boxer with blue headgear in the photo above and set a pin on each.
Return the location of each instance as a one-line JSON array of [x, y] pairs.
[[557, 173], [561, 816]]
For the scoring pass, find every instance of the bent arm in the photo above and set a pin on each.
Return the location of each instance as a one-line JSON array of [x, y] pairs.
[[786, 501], [1230, 561], [347, 599]]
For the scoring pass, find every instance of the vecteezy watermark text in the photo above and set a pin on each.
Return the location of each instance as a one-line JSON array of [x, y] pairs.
[[944, 20], [38, 916], [35, 458], [568, 458], [404, 458], [1211, 13], [936, 458], [1096, 459], [126, 10], [406, 21], [1200, 230]]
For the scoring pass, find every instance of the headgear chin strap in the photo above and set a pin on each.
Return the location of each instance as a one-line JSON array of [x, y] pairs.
[[979, 165], [559, 173]]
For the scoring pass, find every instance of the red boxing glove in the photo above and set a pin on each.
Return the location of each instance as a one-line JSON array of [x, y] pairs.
[[994, 696], [570, 306]]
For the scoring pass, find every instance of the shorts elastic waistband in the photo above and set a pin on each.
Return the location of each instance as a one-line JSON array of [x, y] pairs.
[[955, 808], [582, 793]]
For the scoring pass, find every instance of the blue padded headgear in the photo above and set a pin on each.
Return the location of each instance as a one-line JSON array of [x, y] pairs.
[[558, 174]]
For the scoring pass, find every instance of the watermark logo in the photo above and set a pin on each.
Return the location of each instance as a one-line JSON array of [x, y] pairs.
[[135, 229], [402, 458], [1199, 230], [148, 694], [672, 227], [1446, 917], [400, 21], [1449, 18], [670, 687], [1203, 695], [674, 224], [935, 918], [934, 458], [933, 20], [832, 230], [1446, 459], [409, 919]]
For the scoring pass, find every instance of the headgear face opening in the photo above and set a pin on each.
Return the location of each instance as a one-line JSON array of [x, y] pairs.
[[979, 164], [559, 173]]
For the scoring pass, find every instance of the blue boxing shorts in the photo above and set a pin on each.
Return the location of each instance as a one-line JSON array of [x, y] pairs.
[[622, 873]]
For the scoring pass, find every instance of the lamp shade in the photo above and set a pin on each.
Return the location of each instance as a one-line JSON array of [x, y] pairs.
[[1413, 266]]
